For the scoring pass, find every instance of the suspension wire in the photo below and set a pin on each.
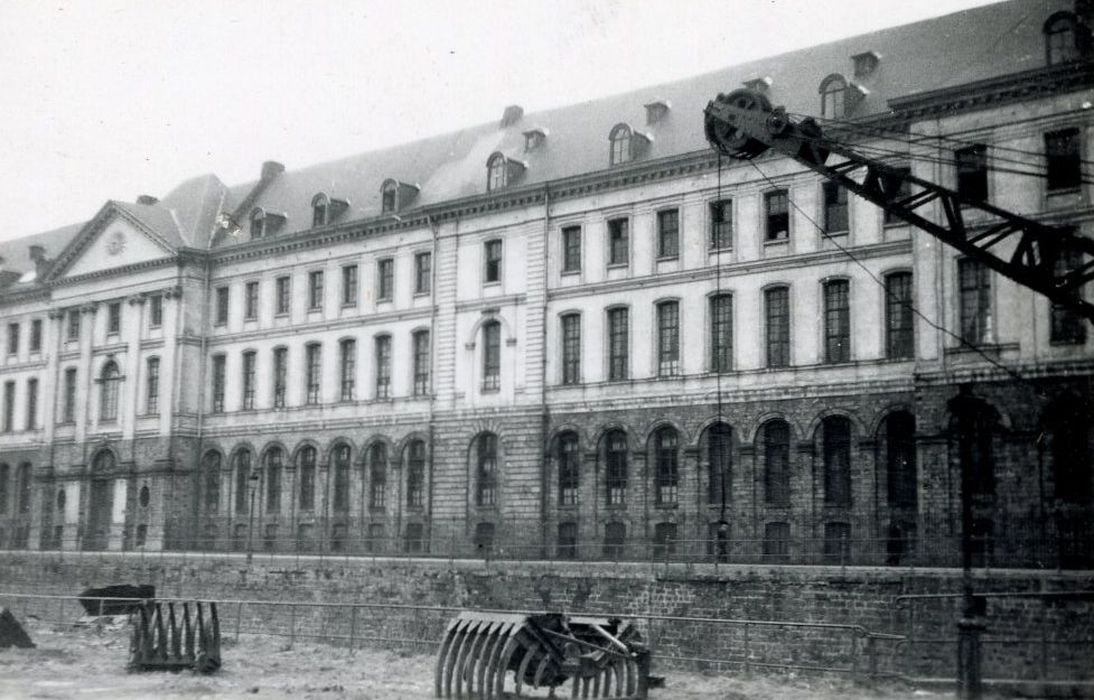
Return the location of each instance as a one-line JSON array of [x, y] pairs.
[[1014, 374]]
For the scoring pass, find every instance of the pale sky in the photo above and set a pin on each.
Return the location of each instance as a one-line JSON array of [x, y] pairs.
[[108, 99]]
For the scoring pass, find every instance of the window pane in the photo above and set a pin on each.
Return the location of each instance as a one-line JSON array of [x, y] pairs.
[[619, 241], [422, 273], [667, 466], [668, 233], [975, 289], [383, 366], [837, 322], [618, 340], [491, 356], [569, 477], [777, 313], [721, 333], [899, 329], [421, 363], [776, 446], [835, 208], [1068, 326], [668, 339], [721, 224], [314, 357], [615, 454], [487, 454], [837, 461], [348, 369], [972, 172], [571, 249], [776, 206], [315, 289], [493, 261], [1064, 163], [571, 349], [349, 285]]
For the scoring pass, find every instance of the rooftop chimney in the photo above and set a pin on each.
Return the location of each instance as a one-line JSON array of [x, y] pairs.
[[511, 115], [146, 199], [271, 169], [37, 253], [41, 262]]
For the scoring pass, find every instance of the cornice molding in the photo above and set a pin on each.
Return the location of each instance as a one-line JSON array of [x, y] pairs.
[[322, 326]]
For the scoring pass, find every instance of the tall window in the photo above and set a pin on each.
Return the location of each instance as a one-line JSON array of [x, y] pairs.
[[217, 380], [340, 457], [313, 355], [721, 333], [721, 224], [668, 339], [73, 320], [249, 380], [497, 171], [777, 215], [620, 142], [5, 486], [385, 279], [836, 437], [1061, 39], [567, 540], [152, 386], [837, 542], [210, 467], [618, 343], [776, 541], [1067, 424], [1067, 325], [243, 481], [571, 249], [349, 285], [615, 535], [223, 299], [899, 324], [250, 301], [383, 366], [274, 462], [900, 459], [486, 457], [280, 376], [834, 97], [837, 321], [776, 446], [283, 288], [320, 206], [423, 273], [571, 348], [899, 188], [69, 411], [665, 445], [719, 459], [492, 259], [155, 310], [13, 338], [36, 335], [777, 316], [9, 406], [491, 356], [974, 281], [618, 241], [305, 465], [972, 172], [668, 233], [415, 474], [315, 290], [835, 208], [569, 470], [32, 403], [421, 362], [109, 379], [1062, 149], [615, 459], [347, 368], [114, 318]]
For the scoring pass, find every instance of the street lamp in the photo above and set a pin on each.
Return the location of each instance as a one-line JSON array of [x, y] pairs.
[[253, 483]]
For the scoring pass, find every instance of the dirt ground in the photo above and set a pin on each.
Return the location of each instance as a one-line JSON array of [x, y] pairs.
[[87, 662]]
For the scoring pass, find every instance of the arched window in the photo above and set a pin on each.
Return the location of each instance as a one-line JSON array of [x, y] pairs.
[[486, 471], [258, 223], [243, 481], [1063, 39], [377, 475], [210, 469], [568, 458], [836, 451], [833, 91], [1067, 432], [103, 462], [305, 466], [415, 474], [666, 458], [340, 457], [898, 438], [620, 143], [776, 446], [497, 172], [717, 454], [108, 391], [320, 208], [274, 460], [491, 356], [614, 451]]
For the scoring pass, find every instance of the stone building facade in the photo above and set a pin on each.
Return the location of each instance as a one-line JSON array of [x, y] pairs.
[[579, 333]]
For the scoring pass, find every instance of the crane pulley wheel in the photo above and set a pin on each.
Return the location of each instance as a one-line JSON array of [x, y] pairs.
[[730, 139]]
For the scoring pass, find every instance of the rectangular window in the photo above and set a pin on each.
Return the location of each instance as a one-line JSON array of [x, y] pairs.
[[571, 349], [1067, 325], [36, 335], [421, 363], [114, 318], [218, 383], [423, 273], [837, 321], [315, 290], [280, 376], [383, 366], [899, 328], [385, 279], [972, 172], [152, 387], [492, 256], [835, 208], [837, 543], [283, 289], [73, 332], [668, 339], [250, 301], [69, 411], [618, 344], [313, 372], [776, 542], [13, 338], [222, 306], [777, 315], [491, 356], [348, 369], [155, 310], [668, 233], [249, 381], [9, 407], [1062, 149], [777, 214], [974, 281], [571, 249], [721, 333], [349, 285], [618, 241], [721, 225], [902, 189], [32, 403]]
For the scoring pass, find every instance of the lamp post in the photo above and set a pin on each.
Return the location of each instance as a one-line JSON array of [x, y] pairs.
[[252, 481]]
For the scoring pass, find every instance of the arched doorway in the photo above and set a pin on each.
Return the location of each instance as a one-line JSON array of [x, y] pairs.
[[100, 505]]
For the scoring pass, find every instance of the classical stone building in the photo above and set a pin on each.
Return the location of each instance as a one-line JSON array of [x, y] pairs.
[[578, 332]]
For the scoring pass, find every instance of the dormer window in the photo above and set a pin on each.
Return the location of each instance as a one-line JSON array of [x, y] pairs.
[[626, 144], [265, 223], [833, 92], [1065, 39], [865, 63], [534, 139], [395, 195], [759, 85], [320, 207], [657, 110], [502, 171]]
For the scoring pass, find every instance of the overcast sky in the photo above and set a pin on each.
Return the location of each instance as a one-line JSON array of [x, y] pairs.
[[108, 99]]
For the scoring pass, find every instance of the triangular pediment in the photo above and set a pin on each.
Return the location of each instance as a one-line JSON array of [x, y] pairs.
[[115, 238]]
